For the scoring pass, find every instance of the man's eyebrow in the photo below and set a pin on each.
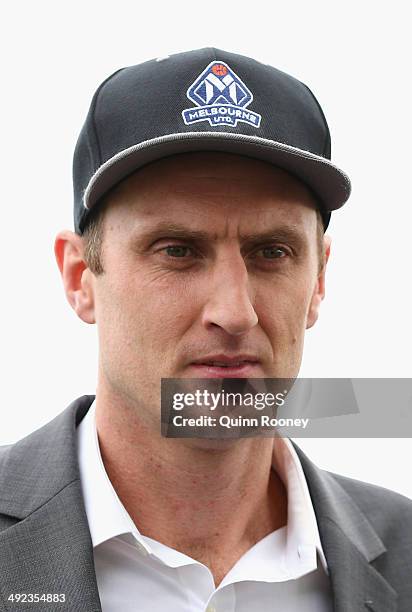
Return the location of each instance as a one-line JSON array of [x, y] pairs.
[[281, 233], [287, 234], [172, 230]]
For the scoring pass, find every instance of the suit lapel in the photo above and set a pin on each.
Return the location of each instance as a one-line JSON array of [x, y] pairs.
[[356, 585], [50, 552], [350, 544], [48, 549]]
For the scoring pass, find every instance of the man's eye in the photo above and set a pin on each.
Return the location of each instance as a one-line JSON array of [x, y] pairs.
[[177, 250], [273, 252]]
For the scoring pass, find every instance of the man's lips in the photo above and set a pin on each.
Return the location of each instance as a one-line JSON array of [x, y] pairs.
[[224, 366]]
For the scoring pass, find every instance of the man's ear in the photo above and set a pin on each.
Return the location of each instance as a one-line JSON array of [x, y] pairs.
[[319, 290], [77, 277]]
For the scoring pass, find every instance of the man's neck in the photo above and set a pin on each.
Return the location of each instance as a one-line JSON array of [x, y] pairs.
[[212, 504]]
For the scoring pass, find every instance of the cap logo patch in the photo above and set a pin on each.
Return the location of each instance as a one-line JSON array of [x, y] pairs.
[[221, 98]]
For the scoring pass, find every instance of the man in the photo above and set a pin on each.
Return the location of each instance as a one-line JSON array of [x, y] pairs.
[[199, 252]]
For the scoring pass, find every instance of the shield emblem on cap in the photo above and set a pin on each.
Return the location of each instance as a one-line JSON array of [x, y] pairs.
[[221, 98]]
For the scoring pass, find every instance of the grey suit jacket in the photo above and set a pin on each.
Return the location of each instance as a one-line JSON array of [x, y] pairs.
[[45, 544]]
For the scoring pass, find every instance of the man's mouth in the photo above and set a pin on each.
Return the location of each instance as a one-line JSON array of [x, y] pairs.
[[240, 366]]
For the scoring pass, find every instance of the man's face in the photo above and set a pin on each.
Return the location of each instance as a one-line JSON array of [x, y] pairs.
[[211, 268]]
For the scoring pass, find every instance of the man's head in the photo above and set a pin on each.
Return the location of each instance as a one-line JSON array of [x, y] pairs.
[[203, 185], [200, 255]]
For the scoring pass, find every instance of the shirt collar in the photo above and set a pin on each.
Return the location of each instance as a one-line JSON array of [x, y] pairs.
[[303, 539], [108, 518], [106, 515]]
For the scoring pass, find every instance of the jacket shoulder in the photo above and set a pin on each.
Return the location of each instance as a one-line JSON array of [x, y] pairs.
[[37, 467], [4, 451], [370, 494], [389, 512]]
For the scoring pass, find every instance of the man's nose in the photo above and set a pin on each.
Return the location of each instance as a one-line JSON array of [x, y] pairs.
[[230, 301]]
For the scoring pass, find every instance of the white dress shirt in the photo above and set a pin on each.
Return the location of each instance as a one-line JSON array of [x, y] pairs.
[[138, 574]]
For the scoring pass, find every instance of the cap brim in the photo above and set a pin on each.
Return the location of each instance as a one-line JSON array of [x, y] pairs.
[[330, 184]]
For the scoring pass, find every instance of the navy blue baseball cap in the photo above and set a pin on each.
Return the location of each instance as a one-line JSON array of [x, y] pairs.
[[203, 100]]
